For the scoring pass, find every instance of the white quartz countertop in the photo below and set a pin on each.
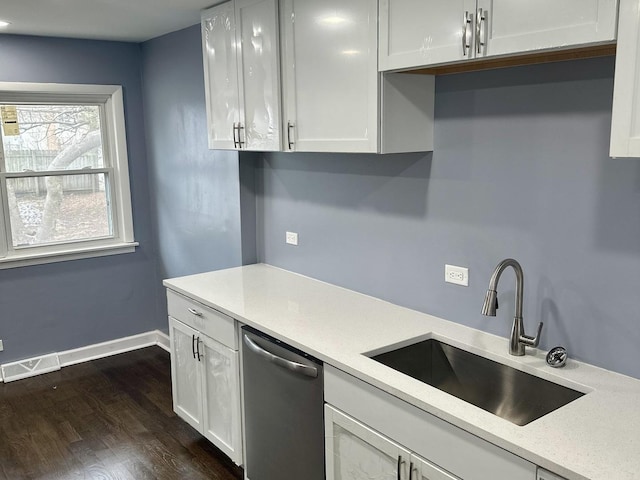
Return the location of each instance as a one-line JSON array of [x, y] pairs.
[[594, 437]]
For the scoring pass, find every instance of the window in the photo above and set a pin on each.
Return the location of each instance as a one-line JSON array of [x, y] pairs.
[[64, 180]]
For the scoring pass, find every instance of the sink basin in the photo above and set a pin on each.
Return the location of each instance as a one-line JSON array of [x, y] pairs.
[[504, 391]]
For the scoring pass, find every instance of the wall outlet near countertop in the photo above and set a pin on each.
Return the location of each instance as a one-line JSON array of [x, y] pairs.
[[291, 238], [1, 346], [456, 275]]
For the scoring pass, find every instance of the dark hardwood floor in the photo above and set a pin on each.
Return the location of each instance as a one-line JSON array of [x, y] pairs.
[[107, 419]]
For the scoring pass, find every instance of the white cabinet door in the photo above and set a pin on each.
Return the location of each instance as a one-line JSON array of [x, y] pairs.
[[355, 452], [221, 419], [625, 125], [330, 75], [220, 75], [416, 33], [258, 74], [424, 470], [518, 27], [425, 32], [185, 374]]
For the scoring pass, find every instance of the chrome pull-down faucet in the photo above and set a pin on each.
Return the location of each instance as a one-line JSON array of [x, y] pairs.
[[518, 339]]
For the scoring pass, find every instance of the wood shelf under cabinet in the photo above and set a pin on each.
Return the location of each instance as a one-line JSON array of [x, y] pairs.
[[520, 60]]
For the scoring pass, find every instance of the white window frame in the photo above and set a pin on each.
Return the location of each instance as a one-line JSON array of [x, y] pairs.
[[110, 98]]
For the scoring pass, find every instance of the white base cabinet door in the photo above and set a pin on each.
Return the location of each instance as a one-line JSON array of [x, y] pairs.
[[355, 452], [206, 387], [625, 123], [421, 469], [186, 381], [221, 388]]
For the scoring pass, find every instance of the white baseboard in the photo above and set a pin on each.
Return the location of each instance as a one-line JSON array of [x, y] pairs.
[[94, 352]]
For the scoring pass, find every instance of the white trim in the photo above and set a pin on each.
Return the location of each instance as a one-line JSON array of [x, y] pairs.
[[114, 143], [106, 349], [54, 91], [65, 254]]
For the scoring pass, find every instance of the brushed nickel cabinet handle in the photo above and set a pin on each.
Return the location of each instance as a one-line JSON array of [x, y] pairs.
[[195, 312], [240, 142], [466, 22], [481, 30], [289, 141]]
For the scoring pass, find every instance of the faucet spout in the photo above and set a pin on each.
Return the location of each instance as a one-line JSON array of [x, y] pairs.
[[518, 339]]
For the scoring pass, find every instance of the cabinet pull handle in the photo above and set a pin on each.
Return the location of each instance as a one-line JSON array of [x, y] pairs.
[[410, 470], [481, 30], [466, 21], [198, 348], [195, 312], [289, 141], [400, 462], [235, 142], [193, 345], [240, 142]]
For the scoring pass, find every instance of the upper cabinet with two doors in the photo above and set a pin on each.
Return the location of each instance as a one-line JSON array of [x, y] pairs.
[[416, 33], [317, 61], [240, 46]]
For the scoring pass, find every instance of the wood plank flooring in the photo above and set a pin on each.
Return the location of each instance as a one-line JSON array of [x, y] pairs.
[[109, 419]]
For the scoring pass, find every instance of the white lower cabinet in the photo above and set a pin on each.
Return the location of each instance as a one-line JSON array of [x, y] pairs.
[[185, 374], [356, 452], [205, 374], [437, 449]]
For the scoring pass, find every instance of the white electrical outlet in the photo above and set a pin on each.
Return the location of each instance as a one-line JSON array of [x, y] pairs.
[[292, 238], [456, 275], [1, 346]]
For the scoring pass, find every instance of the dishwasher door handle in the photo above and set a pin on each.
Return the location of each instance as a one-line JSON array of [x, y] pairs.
[[282, 362]]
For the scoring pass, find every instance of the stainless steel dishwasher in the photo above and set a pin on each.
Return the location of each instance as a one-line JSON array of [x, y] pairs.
[[283, 407]]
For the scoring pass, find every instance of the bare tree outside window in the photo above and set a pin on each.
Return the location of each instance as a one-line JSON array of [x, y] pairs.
[[56, 191]]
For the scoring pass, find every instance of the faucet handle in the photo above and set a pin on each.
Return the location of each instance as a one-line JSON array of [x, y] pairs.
[[532, 341]]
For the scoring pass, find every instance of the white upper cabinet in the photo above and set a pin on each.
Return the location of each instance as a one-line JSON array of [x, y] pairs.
[[330, 79], [334, 98], [625, 124], [415, 33], [242, 75], [424, 32], [221, 75], [515, 27]]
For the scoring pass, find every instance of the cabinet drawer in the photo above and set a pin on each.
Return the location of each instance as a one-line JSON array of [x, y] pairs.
[[426, 435], [206, 320]]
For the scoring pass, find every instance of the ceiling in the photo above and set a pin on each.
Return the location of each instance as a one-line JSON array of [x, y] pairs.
[[124, 20]]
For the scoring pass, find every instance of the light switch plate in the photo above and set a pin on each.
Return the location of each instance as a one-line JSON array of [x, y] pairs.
[[1, 346]]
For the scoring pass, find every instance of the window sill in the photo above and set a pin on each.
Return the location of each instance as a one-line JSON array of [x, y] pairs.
[[24, 259]]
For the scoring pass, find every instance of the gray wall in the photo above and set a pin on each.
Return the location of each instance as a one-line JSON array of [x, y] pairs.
[[520, 169], [71, 304], [195, 191]]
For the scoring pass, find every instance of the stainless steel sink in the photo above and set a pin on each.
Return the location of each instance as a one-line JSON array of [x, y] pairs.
[[504, 391]]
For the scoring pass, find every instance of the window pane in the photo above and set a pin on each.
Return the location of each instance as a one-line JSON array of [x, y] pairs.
[[51, 137], [59, 208]]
